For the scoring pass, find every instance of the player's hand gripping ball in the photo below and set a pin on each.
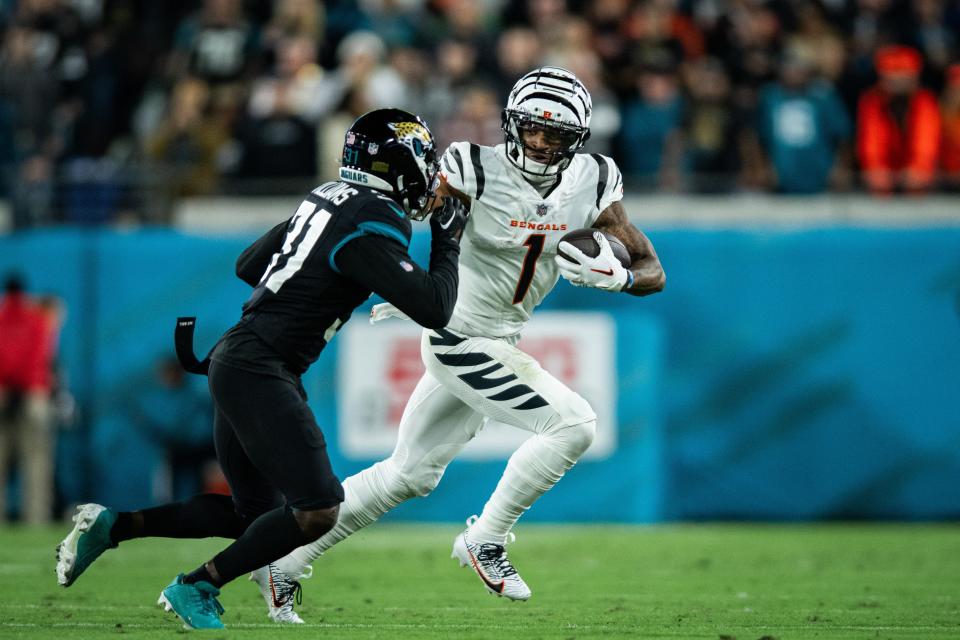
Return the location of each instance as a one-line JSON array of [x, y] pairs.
[[593, 258]]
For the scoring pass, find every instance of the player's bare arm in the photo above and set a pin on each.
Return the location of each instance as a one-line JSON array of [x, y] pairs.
[[648, 275], [445, 189]]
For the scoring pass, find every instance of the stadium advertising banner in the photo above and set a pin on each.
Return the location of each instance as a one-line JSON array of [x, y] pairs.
[[777, 377], [379, 365]]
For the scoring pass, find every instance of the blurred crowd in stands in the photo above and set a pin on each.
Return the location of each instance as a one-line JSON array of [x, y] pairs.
[[116, 107]]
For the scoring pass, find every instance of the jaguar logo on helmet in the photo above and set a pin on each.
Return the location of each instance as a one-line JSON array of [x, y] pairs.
[[552, 100], [412, 134]]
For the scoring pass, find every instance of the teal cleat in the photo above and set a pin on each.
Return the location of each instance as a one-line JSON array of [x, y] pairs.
[[196, 604], [90, 538]]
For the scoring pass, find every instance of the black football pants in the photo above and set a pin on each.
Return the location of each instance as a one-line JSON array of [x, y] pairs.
[[268, 444]]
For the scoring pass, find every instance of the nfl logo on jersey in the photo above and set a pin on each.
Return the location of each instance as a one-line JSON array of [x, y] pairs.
[[542, 209]]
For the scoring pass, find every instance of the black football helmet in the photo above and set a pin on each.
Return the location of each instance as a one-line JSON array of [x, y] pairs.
[[393, 151]]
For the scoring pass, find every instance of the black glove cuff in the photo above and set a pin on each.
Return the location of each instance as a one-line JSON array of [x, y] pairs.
[[450, 218]]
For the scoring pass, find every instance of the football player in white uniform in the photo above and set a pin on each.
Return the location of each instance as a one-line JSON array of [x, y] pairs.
[[524, 195]]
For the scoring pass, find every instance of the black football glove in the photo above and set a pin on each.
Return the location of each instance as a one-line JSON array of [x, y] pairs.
[[449, 218]]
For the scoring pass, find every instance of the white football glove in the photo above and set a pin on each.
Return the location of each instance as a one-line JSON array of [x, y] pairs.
[[386, 310], [603, 272]]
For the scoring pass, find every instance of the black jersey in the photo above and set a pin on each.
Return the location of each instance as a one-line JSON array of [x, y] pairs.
[[309, 273]]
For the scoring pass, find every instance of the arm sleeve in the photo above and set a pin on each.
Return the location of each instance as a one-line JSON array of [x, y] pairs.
[[384, 266], [253, 262]]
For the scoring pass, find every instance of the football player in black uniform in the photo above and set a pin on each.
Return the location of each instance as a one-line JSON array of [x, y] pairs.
[[347, 239]]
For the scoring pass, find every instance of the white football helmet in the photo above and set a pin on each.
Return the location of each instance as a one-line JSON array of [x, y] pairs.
[[552, 99]]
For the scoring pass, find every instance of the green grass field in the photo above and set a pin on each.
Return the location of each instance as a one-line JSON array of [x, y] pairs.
[[695, 581]]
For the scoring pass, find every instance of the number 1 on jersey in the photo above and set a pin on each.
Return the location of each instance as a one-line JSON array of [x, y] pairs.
[[534, 245]]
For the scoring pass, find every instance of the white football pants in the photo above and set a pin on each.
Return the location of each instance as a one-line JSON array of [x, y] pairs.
[[468, 379]]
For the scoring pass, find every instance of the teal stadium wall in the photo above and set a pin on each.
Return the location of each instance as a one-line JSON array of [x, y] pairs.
[[802, 374]]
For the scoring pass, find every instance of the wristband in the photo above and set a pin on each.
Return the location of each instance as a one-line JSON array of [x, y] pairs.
[[629, 282]]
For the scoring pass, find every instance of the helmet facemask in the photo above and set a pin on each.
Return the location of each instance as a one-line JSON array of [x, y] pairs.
[[563, 141], [417, 194]]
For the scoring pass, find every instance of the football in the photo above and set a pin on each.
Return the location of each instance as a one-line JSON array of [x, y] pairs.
[[583, 240]]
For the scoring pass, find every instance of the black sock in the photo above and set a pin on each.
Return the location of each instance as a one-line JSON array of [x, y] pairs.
[[201, 575], [203, 516], [271, 536], [123, 528]]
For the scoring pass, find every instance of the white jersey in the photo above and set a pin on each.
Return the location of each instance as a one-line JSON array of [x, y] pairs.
[[508, 246]]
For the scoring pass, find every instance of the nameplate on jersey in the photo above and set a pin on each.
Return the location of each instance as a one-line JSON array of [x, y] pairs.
[[335, 192]]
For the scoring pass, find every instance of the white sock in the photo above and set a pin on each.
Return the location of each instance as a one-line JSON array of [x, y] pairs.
[[531, 471], [367, 496]]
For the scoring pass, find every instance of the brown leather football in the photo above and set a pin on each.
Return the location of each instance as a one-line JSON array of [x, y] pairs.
[[583, 240]]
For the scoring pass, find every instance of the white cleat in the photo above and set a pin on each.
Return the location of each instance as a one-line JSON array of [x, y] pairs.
[[280, 592], [89, 538], [489, 561]]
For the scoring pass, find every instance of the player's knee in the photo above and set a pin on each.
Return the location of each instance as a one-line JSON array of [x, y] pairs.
[[316, 522], [577, 438], [414, 476], [394, 482], [422, 482], [573, 427]]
